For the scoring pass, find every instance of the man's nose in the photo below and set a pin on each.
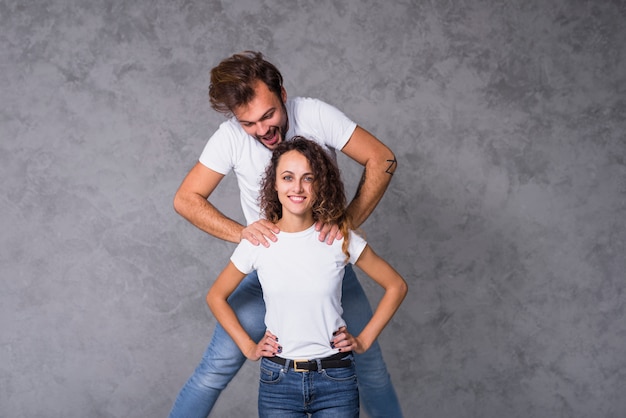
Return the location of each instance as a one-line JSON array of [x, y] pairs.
[[262, 128]]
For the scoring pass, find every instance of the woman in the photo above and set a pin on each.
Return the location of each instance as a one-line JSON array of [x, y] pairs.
[[306, 352]]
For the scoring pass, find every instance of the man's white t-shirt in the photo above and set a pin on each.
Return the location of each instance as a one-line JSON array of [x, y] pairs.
[[301, 279], [231, 148]]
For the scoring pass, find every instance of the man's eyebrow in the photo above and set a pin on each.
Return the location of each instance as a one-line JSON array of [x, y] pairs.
[[273, 109]]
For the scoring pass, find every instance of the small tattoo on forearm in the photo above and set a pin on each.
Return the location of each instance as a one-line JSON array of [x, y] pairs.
[[392, 166]]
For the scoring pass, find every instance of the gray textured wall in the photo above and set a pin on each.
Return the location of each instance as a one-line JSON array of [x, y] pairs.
[[506, 215]]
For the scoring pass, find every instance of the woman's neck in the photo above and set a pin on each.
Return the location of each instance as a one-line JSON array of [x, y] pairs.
[[295, 223]]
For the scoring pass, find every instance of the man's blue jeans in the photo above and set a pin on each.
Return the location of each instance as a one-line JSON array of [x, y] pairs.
[[327, 393], [223, 359]]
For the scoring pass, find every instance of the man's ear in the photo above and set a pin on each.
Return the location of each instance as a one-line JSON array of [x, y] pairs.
[[283, 94]]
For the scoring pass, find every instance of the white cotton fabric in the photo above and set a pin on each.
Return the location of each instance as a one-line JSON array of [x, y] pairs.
[[231, 148], [301, 279]]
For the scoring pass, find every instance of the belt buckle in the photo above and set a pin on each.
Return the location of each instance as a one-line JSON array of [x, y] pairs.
[[295, 365]]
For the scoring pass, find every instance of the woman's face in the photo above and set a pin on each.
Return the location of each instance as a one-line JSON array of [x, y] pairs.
[[294, 184]]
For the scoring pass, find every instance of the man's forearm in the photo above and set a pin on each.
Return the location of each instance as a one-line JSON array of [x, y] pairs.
[[372, 186], [202, 214]]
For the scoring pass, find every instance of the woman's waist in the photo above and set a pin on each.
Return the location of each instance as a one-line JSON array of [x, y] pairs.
[[336, 360]]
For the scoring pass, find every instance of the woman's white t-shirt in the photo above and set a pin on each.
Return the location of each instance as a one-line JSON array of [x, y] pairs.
[[301, 279]]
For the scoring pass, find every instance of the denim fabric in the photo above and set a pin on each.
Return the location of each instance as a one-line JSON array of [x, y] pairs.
[[327, 393], [222, 358], [377, 393]]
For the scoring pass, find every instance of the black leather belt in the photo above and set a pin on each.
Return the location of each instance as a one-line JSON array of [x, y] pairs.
[[302, 365]]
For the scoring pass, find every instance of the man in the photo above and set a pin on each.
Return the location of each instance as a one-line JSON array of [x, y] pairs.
[[248, 88]]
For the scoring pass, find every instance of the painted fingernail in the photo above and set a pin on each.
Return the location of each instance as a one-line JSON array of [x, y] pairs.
[[280, 350], [332, 344]]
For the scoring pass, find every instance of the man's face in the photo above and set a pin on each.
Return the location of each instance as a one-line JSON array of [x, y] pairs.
[[265, 117]]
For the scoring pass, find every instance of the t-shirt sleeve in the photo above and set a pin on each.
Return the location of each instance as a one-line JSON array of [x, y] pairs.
[[243, 257], [340, 126], [331, 126], [220, 152], [356, 246]]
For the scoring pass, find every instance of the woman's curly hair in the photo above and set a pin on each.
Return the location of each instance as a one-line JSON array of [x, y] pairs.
[[330, 200]]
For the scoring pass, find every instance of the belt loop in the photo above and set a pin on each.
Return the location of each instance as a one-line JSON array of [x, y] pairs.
[[319, 365], [287, 364]]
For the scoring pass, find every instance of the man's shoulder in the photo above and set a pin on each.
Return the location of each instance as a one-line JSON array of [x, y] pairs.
[[230, 135], [300, 102], [230, 128], [313, 111], [230, 147]]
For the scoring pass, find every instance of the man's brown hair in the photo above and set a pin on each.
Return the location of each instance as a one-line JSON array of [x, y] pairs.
[[233, 80]]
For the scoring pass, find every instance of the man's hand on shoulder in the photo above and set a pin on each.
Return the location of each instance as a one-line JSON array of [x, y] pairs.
[[328, 232], [259, 232]]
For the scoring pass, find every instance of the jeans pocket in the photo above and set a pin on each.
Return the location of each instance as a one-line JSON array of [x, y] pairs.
[[270, 376], [340, 374]]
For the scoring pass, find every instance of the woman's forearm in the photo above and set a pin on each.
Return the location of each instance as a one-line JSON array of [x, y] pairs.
[[395, 290], [387, 307], [217, 299], [227, 318]]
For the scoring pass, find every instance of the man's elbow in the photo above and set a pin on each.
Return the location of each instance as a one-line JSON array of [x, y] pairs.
[[180, 203], [388, 162]]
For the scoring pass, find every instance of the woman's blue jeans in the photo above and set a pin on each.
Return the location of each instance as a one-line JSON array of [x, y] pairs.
[[223, 359], [327, 393]]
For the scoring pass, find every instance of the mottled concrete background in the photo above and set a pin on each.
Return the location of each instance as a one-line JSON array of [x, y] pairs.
[[507, 215]]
